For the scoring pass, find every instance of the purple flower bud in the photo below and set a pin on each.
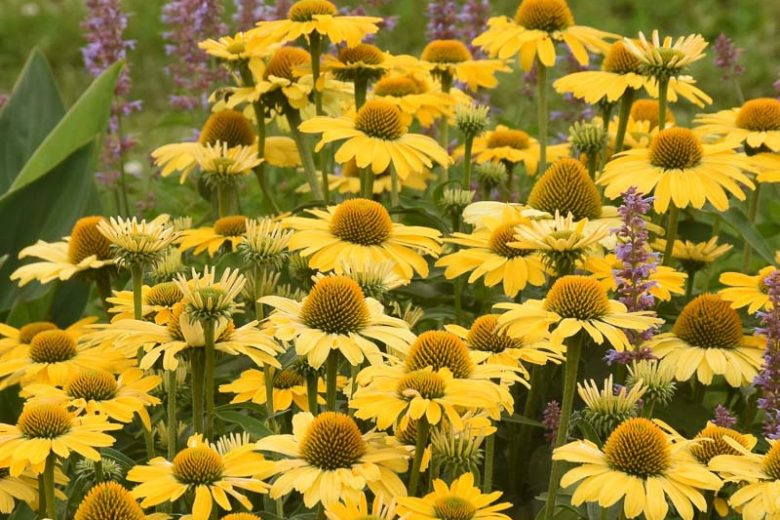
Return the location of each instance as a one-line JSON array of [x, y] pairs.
[[768, 379], [551, 418], [442, 20], [727, 56], [723, 417]]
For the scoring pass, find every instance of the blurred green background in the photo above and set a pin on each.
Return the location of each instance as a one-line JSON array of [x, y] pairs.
[[54, 26]]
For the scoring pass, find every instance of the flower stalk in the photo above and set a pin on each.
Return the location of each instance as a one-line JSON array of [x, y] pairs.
[[423, 432], [625, 111], [541, 105]]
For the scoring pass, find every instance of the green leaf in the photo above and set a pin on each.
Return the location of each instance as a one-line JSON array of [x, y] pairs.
[[521, 419], [65, 194], [85, 120], [248, 423], [745, 229], [31, 112]]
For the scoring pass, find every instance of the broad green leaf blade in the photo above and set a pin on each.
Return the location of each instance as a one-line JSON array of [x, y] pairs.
[[87, 118], [745, 229], [62, 196], [31, 112]]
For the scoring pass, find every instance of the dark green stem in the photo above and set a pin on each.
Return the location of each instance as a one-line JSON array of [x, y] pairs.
[[423, 429], [625, 111], [331, 378], [573, 352], [48, 486], [467, 162], [592, 158], [311, 391], [541, 104], [294, 120], [361, 87], [197, 389], [98, 470], [395, 188], [663, 88], [444, 124], [137, 274], [490, 451], [173, 422], [671, 233], [210, 356]]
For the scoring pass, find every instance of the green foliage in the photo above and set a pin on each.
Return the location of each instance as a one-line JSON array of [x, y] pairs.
[[49, 174]]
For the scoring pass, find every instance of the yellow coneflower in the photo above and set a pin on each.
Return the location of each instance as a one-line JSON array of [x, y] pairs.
[[156, 301], [14, 339], [642, 465], [452, 59], [561, 241], [756, 124], [415, 96], [678, 169], [605, 408], [100, 392], [694, 256], [487, 253], [232, 48], [573, 304], [310, 17], [707, 340], [327, 459], [377, 137], [347, 509], [229, 230], [511, 147], [758, 477], [289, 386], [110, 500], [45, 429], [748, 291], [490, 344], [668, 57], [712, 442], [336, 316], [54, 355], [85, 250], [536, 27], [206, 472], [23, 488], [134, 242], [363, 62], [226, 127], [462, 499], [666, 280], [348, 181], [207, 297], [566, 188], [362, 229]]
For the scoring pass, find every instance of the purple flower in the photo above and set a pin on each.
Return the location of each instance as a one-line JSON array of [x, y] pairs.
[[442, 20], [103, 30], [474, 17], [249, 12], [768, 379], [723, 417], [727, 56], [551, 418], [189, 22], [633, 283]]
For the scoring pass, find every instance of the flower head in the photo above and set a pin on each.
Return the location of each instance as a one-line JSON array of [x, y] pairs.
[[209, 298], [667, 58], [138, 243], [455, 502]]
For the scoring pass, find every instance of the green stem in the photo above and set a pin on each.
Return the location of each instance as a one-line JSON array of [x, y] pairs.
[[197, 389], [98, 470], [210, 355], [173, 422], [663, 88], [361, 87], [752, 213], [331, 378], [467, 166], [444, 124], [311, 391], [48, 486], [354, 370], [137, 274], [625, 111], [490, 451], [149, 442], [541, 78], [103, 284], [592, 158], [314, 50], [41, 497], [223, 200], [671, 233], [423, 429], [689, 283], [294, 120], [510, 173], [573, 352]]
